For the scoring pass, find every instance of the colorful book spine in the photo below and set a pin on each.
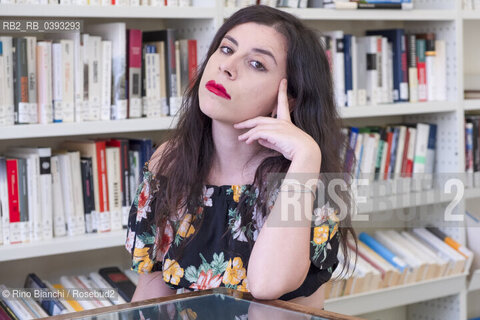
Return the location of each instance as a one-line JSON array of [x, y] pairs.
[[382, 251]]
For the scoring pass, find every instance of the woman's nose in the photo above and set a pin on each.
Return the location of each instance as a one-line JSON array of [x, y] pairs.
[[227, 67]]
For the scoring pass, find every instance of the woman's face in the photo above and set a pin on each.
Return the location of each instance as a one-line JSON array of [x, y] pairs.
[[249, 64]]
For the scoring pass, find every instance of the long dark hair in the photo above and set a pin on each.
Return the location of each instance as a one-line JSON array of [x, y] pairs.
[[187, 158]]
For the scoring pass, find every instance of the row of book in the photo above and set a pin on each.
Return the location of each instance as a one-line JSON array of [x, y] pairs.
[[391, 258], [386, 66], [472, 150], [108, 73], [83, 187], [70, 294], [403, 151], [471, 4], [331, 4], [132, 3]]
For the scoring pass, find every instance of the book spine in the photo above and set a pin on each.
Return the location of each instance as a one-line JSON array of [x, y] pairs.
[[57, 82], [421, 70], [22, 111], [347, 39], [134, 73], [59, 228], [44, 74], [87, 187], [412, 68], [68, 95], [106, 74]]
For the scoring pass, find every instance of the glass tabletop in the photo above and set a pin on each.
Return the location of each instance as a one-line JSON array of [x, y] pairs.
[[206, 307]]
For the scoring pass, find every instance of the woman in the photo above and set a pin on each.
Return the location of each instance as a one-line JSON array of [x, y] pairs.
[[262, 103]]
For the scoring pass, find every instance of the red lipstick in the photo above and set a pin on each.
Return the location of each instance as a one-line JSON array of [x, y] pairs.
[[218, 89]]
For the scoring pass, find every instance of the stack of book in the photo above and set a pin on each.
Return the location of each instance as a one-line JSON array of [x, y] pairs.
[[470, 5], [109, 73], [130, 3], [399, 157], [85, 187], [386, 66], [107, 287], [331, 4], [390, 258]]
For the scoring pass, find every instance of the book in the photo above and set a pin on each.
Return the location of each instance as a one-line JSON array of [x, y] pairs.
[[117, 279]]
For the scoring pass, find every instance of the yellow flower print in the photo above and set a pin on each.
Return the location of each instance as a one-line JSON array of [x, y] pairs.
[[141, 255], [237, 191], [145, 266], [320, 234], [188, 314], [334, 231], [235, 272], [244, 286], [172, 271], [186, 229]]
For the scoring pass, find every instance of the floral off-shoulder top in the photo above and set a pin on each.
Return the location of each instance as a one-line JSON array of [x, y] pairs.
[[210, 260]]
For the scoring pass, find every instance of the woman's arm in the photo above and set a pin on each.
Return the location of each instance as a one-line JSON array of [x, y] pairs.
[[280, 258], [151, 285]]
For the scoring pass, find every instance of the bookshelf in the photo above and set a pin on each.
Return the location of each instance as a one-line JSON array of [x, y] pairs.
[[444, 17]]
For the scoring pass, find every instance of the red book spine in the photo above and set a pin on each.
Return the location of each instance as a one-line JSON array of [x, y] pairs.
[[405, 154], [192, 58], [387, 162], [134, 48], [13, 192], [422, 77], [102, 176]]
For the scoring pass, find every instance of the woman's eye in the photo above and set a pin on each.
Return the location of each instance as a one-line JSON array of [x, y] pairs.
[[257, 65], [225, 49]]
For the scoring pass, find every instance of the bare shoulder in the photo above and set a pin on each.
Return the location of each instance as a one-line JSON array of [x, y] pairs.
[[157, 155]]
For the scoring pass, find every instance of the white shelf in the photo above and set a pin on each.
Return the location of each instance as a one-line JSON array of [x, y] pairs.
[[378, 15], [471, 104], [62, 245], [471, 193], [397, 109], [471, 15], [397, 296], [474, 281], [85, 128], [411, 199], [65, 11]]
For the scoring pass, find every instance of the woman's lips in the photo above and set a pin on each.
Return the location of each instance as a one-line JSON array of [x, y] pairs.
[[218, 89]]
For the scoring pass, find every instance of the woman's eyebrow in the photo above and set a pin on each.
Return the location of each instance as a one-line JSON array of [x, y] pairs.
[[263, 51]]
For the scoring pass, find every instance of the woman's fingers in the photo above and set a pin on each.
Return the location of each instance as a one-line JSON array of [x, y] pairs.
[[283, 110], [250, 123]]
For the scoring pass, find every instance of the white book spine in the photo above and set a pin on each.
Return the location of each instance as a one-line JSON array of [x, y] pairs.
[[390, 73], [94, 78], [3, 107], [69, 283], [421, 145], [79, 213], [85, 112], [44, 82], [372, 72], [440, 71], [361, 72], [106, 74], [58, 81], [59, 226], [31, 66], [68, 197], [338, 67], [68, 81], [4, 205], [400, 148], [46, 191], [114, 187], [8, 69], [352, 99], [431, 78], [78, 48], [385, 73]]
